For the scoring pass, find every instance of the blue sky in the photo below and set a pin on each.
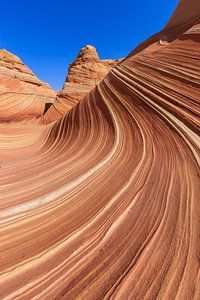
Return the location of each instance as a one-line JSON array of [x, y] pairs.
[[47, 35]]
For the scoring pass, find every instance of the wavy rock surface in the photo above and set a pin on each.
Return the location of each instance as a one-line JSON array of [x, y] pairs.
[[22, 94], [83, 75], [106, 206]]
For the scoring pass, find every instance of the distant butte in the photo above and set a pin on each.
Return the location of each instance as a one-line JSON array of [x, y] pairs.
[[84, 74]]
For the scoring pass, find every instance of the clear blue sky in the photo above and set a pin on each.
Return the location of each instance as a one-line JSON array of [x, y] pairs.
[[47, 34]]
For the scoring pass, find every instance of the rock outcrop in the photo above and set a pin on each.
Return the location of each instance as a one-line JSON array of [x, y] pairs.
[[84, 74], [22, 94], [104, 203]]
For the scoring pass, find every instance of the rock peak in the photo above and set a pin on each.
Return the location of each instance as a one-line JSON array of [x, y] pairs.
[[22, 93], [88, 53], [8, 56], [84, 74]]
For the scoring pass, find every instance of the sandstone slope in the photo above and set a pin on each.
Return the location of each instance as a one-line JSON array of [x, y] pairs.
[[106, 206], [22, 94]]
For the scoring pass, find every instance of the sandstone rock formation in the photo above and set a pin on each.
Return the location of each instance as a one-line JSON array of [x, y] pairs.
[[22, 94], [104, 203], [84, 74], [185, 13]]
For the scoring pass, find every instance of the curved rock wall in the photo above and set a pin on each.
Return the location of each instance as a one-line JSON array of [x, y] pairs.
[[104, 203]]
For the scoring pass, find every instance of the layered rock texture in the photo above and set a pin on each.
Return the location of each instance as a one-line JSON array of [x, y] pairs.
[[186, 13], [22, 94], [104, 203], [83, 75]]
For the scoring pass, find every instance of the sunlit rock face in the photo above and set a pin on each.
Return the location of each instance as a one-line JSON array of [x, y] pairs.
[[22, 94], [84, 74], [104, 203], [185, 13]]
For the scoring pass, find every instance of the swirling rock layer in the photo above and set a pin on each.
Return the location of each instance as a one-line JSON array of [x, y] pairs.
[[84, 74], [22, 94], [106, 203]]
